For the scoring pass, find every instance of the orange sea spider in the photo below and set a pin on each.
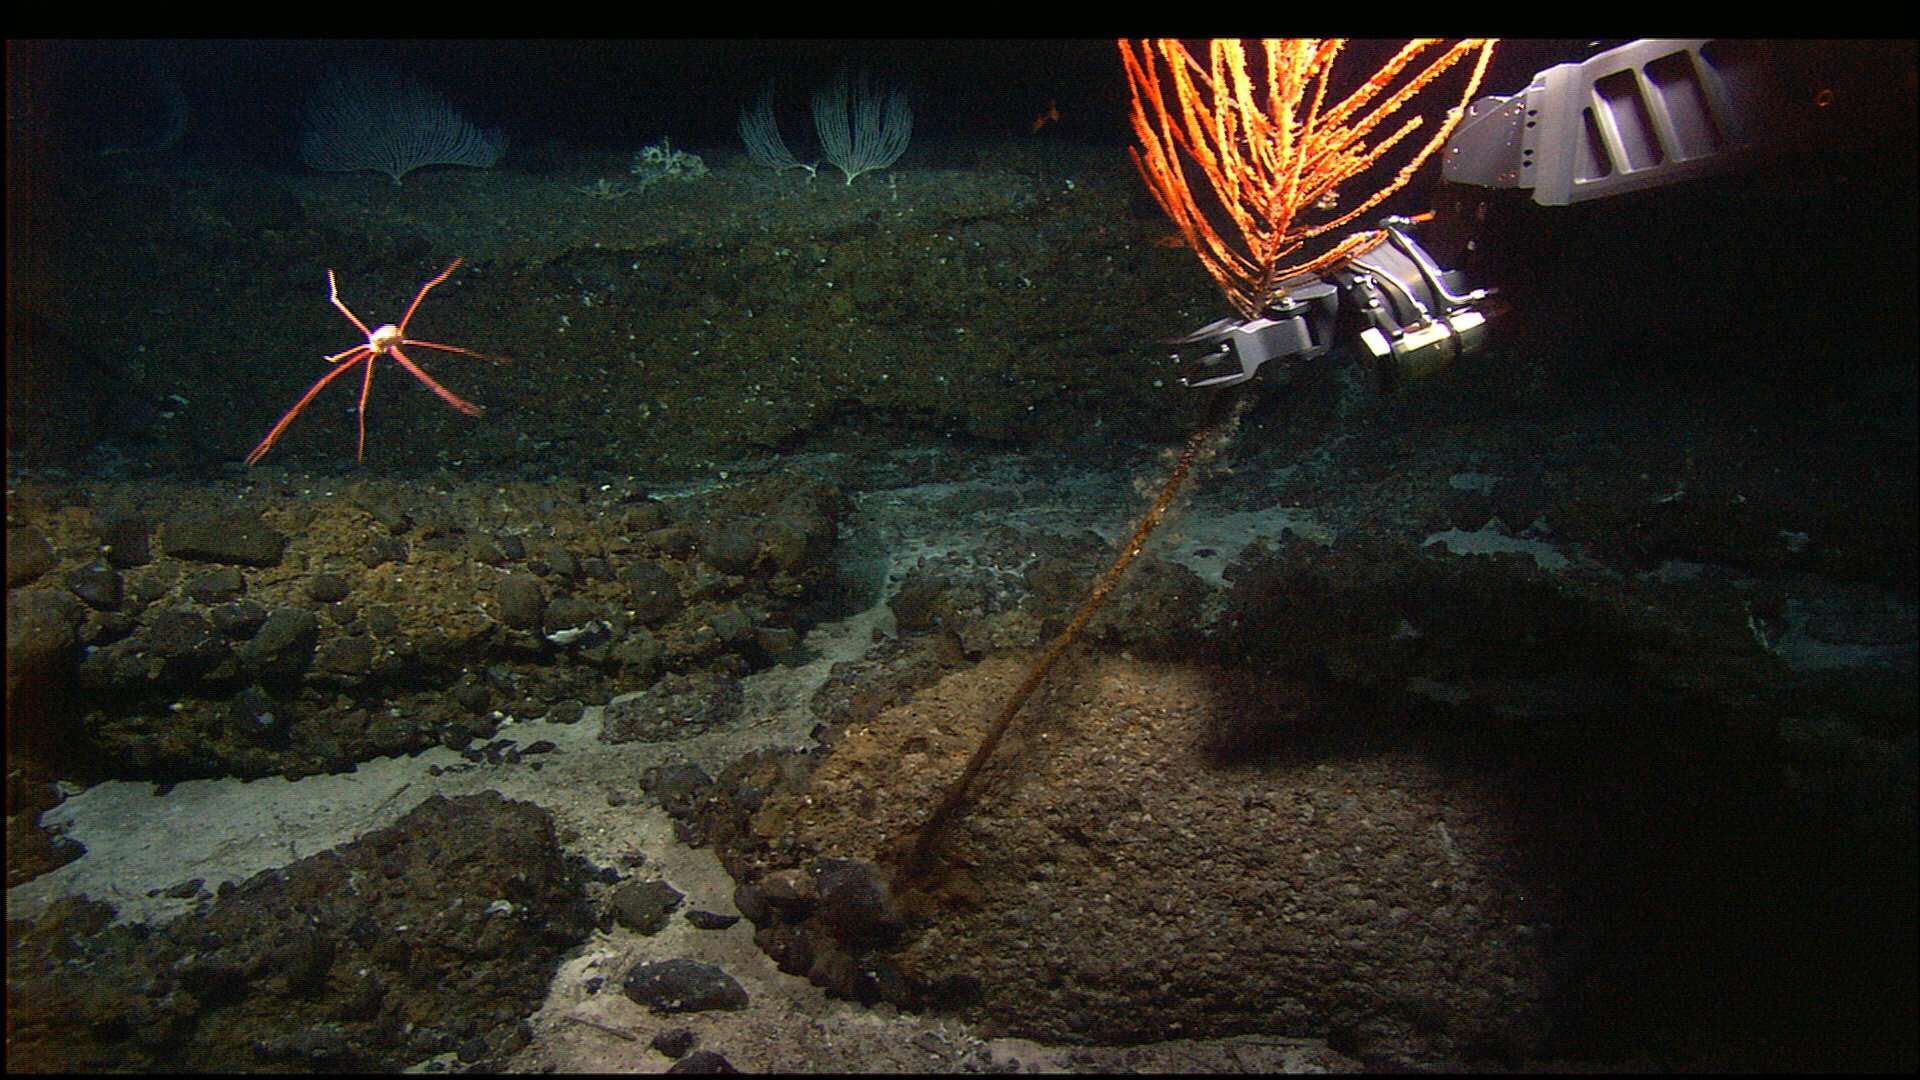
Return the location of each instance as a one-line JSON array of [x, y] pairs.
[[385, 341]]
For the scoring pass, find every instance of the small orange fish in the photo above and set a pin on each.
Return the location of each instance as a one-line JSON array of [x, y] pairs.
[[1045, 118]]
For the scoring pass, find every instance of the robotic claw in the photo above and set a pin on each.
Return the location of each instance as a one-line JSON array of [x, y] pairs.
[[1644, 114], [1420, 315]]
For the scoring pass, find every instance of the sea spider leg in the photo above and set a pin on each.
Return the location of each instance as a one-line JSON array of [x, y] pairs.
[[454, 349], [446, 395], [333, 294], [366, 384], [422, 294], [350, 357]]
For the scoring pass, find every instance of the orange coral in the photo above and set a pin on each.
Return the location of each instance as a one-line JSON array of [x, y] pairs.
[[1272, 148]]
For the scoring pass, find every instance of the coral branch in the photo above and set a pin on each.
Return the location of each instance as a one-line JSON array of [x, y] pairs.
[[1223, 416], [1250, 166]]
